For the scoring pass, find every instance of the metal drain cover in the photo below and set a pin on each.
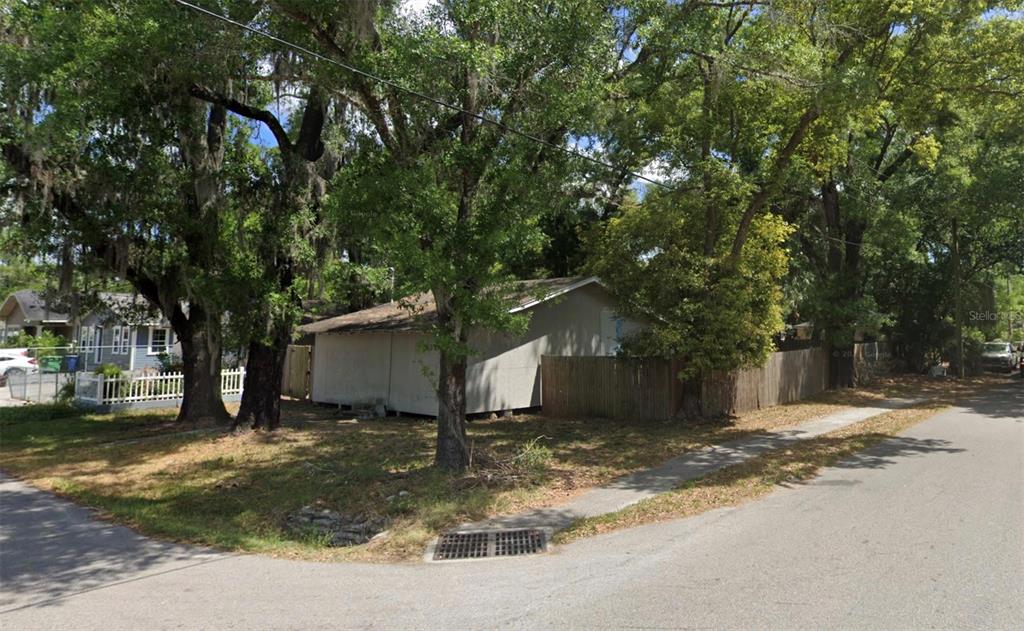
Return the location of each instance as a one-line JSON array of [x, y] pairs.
[[490, 543]]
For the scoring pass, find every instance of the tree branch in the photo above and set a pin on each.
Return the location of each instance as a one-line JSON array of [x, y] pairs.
[[894, 166], [781, 162], [246, 111], [371, 104], [766, 191], [309, 145]]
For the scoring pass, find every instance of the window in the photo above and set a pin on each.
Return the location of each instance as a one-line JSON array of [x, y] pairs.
[[159, 341], [89, 338], [611, 332], [122, 342]]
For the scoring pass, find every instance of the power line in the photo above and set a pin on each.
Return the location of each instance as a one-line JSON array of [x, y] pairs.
[[421, 95], [436, 101]]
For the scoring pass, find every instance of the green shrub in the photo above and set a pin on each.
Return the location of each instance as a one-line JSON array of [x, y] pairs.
[[66, 394], [533, 460], [974, 343], [108, 370], [169, 362], [46, 343]]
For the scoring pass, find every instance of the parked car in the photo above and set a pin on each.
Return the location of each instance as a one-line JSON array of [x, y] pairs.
[[15, 361], [999, 356]]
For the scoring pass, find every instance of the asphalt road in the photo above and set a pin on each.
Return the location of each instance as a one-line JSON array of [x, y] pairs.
[[924, 531]]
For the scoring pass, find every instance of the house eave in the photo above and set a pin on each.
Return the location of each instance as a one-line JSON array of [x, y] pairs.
[[561, 292]]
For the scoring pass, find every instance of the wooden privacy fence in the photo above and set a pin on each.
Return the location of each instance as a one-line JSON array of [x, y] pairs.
[[606, 387], [648, 388], [786, 377], [298, 364]]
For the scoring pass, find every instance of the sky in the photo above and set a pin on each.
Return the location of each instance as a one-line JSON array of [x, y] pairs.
[[283, 107]]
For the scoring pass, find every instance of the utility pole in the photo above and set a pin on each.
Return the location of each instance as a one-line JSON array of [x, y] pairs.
[[961, 369]]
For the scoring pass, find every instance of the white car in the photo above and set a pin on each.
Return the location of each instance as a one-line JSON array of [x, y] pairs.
[[15, 360]]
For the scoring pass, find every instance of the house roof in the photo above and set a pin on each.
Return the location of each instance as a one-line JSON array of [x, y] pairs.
[[34, 306], [416, 312], [118, 305], [133, 309]]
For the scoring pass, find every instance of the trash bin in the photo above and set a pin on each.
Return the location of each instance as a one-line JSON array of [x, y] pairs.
[[50, 363], [72, 363]]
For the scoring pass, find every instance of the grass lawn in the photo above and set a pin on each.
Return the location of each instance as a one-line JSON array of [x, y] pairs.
[[234, 491]]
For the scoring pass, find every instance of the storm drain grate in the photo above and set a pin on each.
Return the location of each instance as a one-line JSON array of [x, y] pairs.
[[494, 543], [515, 542]]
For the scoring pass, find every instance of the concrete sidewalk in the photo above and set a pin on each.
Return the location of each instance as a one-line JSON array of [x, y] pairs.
[[630, 489]]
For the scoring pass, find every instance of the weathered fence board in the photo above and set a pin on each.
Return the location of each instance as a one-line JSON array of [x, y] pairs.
[[648, 388], [786, 377], [605, 386], [298, 364]]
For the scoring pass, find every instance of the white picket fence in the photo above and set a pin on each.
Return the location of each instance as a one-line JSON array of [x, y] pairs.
[[168, 386]]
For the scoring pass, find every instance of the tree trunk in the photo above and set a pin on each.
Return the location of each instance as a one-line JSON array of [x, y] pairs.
[[830, 211], [840, 366], [691, 408], [264, 370], [201, 365], [452, 451], [961, 368], [843, 261]]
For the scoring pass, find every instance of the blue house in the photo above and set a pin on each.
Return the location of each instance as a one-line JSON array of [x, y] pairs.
[[117, 328], [124, 331]]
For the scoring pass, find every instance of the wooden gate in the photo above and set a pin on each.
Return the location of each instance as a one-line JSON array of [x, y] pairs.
[[298, 368]]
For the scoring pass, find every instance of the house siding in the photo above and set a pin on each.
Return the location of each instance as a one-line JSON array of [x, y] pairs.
[[137, 358], [505, 372], [14, 323], [361, 368]]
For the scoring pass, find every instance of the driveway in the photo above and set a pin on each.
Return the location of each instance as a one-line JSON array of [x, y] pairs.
[[925, 530]]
